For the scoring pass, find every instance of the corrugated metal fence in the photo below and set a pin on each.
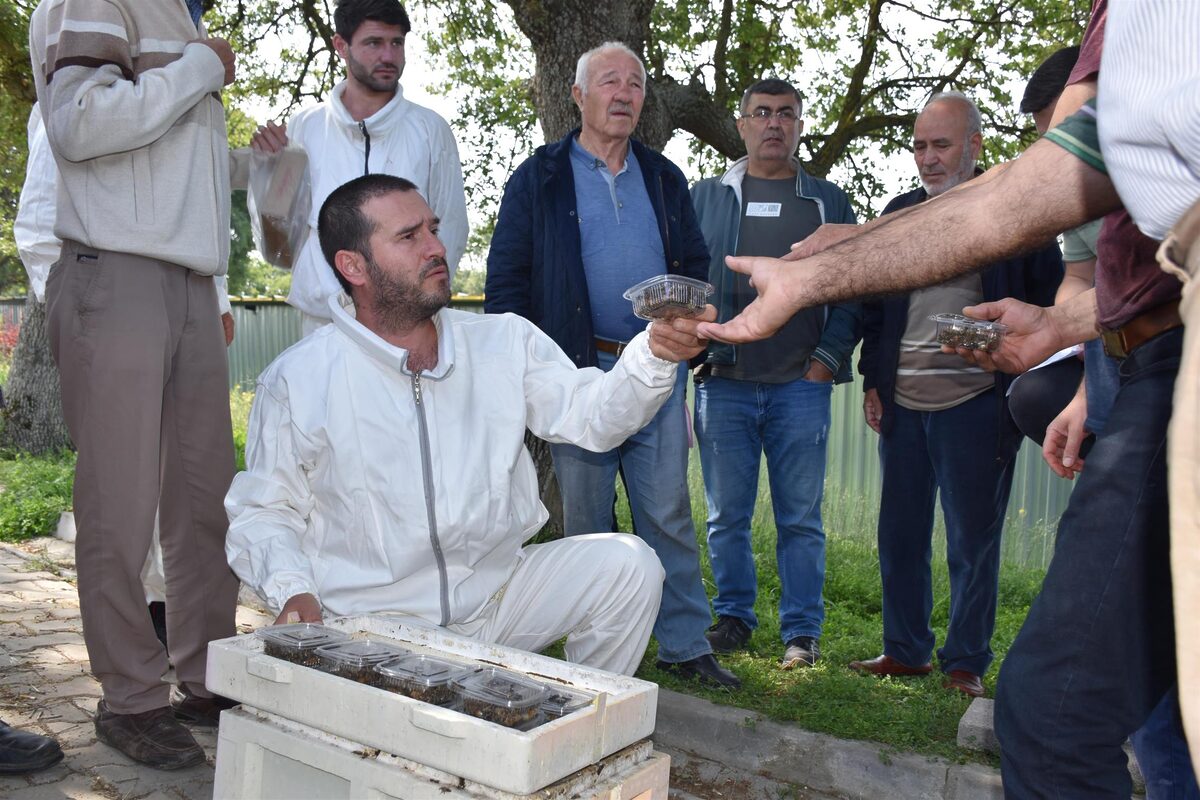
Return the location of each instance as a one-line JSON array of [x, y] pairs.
[[267, 326]]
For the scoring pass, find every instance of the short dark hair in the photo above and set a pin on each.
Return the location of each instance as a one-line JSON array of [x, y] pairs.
[[770, 86], [342, 225], [350, 14], [1048, 80]]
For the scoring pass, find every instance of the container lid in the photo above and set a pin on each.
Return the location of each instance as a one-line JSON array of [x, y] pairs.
[[359, 652], [655, 295], [300, 635], [421, 669], [561, 701], [968, 322], [501, 688], [638, 289]]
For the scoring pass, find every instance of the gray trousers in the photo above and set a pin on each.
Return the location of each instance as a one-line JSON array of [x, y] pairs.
[[141, 357]]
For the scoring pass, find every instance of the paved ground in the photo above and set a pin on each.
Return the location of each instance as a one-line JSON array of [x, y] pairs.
[[46, 687]]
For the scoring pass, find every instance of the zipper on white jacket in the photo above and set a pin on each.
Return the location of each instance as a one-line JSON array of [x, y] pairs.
[[427, 477], [362, 126]]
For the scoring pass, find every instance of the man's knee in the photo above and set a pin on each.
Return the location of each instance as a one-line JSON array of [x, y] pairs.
[[637, 559]]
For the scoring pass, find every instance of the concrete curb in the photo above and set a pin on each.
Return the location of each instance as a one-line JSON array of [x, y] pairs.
[[815, 761]]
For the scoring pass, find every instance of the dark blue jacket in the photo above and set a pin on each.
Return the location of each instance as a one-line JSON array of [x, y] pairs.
[[1033, 278], [535, 266]]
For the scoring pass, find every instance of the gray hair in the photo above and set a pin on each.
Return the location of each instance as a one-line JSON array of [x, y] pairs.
[[585, 60], [974, 120]]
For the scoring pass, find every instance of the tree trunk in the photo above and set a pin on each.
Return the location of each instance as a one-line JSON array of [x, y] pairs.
[[33, 416], [560, 32]]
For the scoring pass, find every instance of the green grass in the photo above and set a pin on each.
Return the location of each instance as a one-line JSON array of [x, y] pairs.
[[910, 714], [33, 494]]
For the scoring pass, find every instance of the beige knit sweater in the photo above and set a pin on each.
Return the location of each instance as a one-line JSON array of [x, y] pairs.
[[137, 128]]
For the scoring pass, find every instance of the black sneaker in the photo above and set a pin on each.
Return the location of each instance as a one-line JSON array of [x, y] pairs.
[[153, 737], [729, 634], [703, 669], [802, 651]]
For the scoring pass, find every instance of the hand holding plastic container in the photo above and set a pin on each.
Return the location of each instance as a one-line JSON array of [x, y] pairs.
[[955, 330]]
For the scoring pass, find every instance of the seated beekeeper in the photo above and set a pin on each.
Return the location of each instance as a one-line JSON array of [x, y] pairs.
[[386, 466]]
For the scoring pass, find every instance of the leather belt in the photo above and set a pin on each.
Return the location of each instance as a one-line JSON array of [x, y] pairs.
[[609, 346], [1124, 340]]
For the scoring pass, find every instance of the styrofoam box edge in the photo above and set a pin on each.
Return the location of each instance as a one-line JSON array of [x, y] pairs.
[[509, 760], [263, 755]]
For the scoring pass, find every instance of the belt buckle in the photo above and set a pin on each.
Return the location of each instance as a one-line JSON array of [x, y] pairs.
[[1114, 343]]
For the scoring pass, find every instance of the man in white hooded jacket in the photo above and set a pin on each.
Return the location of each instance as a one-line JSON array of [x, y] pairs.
[[367, 125], [386, 469]]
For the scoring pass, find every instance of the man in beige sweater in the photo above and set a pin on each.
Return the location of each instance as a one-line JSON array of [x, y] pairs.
[[129, 92]]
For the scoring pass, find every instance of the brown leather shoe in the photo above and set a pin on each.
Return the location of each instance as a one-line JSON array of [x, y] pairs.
[[966, 682], [153, 737], [886, 665]]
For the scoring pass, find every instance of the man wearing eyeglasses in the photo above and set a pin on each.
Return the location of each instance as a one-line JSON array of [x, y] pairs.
[[772, 396], [944, 428]]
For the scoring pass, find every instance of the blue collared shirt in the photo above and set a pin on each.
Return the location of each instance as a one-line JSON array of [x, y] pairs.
[[619, 238]]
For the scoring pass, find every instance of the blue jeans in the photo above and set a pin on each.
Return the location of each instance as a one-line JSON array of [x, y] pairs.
[[951, 452], [1096, 654], [653, 463], [736, 423], [1162, 753]]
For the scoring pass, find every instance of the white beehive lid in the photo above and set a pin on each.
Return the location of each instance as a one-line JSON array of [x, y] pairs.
[[520, 762]]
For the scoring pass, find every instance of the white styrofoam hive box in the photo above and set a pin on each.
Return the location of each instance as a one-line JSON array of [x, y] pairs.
[[509, 760], [263, 756]]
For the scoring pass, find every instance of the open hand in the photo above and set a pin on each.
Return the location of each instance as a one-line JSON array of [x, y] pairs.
[[775, 280]]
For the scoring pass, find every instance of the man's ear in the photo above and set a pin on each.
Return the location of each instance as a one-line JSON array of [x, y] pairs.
[[976, 141], [352, 266], [577, 96], [341, 46]]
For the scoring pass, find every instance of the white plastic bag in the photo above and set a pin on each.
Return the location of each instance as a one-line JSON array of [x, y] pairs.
[[280, 202]]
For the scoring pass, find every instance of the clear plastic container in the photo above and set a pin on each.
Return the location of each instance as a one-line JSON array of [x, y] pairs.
[[955, 330], [356, 659], [502, 697], [561, 702], [668, 297], [421, 677], [298, 642]]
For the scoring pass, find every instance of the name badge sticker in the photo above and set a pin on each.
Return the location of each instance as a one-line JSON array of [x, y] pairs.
[[763, 209]]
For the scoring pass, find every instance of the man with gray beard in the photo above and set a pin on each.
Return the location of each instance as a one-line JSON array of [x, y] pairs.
[[927, 406]]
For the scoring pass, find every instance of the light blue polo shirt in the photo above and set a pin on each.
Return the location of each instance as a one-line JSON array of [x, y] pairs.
[[619, 238]]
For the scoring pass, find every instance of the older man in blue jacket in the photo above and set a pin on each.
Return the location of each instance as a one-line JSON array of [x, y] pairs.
[[770, 397], [582, 220]]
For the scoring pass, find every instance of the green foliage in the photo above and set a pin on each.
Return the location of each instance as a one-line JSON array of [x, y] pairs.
[[34, 491], [16, 98], [240, 401], [469, 281]]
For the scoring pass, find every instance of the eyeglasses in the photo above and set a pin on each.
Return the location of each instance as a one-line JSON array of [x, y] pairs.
[[786, 116]]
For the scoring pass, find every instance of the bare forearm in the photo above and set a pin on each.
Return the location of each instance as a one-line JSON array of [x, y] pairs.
[[1044, 192]]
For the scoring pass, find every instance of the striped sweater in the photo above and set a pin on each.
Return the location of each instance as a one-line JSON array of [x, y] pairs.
[[137, 129]]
